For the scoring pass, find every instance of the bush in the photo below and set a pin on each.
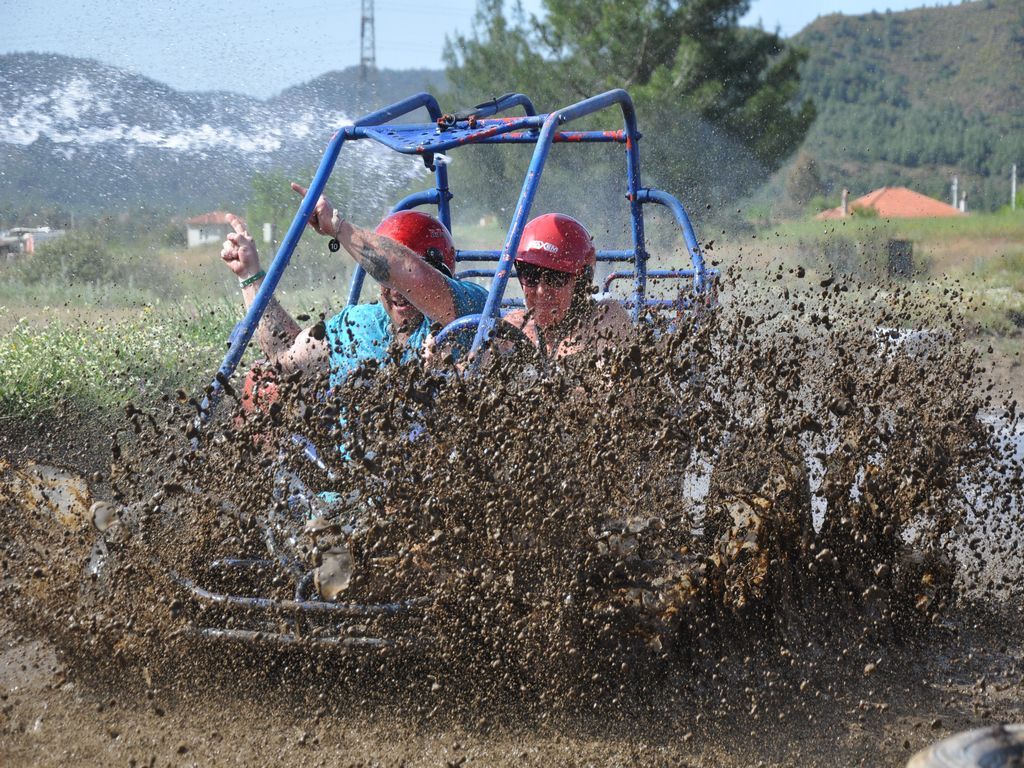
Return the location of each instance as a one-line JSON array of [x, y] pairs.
[[864, 212], [820, 203], [862, 252], [174, 235], [803, 182], [80, 256]]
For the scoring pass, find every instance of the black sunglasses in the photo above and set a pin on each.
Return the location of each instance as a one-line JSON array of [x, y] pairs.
[[531, 276]]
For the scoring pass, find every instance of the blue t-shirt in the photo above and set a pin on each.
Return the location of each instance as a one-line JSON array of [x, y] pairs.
[[363, 332]]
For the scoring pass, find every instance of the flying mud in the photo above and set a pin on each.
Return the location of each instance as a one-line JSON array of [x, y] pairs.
[[784, 531]]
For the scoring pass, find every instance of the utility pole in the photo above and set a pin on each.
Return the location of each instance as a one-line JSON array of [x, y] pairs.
[[367, 46], [1013, 188]]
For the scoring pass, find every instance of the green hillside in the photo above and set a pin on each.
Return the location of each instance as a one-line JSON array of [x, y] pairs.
[[912, 98]]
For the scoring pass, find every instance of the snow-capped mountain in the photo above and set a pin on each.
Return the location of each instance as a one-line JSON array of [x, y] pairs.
[[89, 136]]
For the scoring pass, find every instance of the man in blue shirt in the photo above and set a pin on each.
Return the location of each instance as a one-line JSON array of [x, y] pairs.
[[411, 255]]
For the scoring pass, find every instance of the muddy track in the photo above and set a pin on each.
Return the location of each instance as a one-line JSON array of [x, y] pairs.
[[957, 678], [599, 614], [67, 437], [807, 701]]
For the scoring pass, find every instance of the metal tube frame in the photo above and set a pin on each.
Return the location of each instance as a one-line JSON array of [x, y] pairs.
[[292, 606], [526, 196], [243, 331], [541, 130], [658, 197], [652, 274]]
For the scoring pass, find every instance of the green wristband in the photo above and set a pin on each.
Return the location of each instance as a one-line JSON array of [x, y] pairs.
[[250, 280]]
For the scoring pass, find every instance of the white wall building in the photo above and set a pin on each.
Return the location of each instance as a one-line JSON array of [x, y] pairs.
[[210, 228]]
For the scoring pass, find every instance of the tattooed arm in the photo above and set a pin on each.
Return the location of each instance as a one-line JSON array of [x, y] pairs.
[[389, 263], [396, 267], [278, 335], [284, 343]]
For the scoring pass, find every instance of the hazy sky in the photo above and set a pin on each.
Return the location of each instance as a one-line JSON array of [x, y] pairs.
[[262, 46]]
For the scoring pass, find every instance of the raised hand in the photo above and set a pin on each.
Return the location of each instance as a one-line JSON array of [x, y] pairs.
[[324, 218], [239, 250]]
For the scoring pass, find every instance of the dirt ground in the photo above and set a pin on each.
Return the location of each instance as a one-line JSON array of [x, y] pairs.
[[965, 674]]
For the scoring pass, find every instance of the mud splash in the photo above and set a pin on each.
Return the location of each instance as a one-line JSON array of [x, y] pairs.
[[644, 528]]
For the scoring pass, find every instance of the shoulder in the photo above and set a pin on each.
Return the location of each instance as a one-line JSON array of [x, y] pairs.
[[611, 322], [519, 319], [356, 316], [469, 297], [516, 317], [611, 307], [355, 313], [465, 287]]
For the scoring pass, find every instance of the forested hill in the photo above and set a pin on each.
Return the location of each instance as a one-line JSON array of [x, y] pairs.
[[915, 97]]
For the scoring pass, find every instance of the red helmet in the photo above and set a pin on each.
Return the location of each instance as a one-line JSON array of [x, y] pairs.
[[422, 233], [559, 242]]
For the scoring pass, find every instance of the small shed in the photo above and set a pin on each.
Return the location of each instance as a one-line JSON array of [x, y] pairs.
[[894, 203], [19, 240], [209, 228]]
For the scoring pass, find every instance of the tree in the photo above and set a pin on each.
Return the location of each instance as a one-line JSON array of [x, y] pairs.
[[709, 91], [803, 181]]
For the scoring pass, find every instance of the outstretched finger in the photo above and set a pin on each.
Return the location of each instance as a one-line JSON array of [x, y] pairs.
[[314, 218], [237, 224]]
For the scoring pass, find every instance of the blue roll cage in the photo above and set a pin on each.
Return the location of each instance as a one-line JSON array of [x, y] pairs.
[[481, 126]]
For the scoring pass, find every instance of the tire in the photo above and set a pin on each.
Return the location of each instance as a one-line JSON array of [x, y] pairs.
[[758, 527]]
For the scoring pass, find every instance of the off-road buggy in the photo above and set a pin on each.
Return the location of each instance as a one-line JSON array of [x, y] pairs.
[[318, 612], [239, 598]]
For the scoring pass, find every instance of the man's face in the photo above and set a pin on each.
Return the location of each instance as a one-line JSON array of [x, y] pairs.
[[403, 314], [548, 293]]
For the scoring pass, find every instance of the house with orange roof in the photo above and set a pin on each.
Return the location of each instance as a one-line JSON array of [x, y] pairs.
[[893, 203], [209, 228]]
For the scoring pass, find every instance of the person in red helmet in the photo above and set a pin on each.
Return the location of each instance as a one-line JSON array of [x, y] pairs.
[[411, 255], [555, 266]]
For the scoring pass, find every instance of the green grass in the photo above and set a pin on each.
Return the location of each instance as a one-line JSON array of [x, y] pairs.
[[161, 326], [1007, 271], [118, 352], [982, 253], [1002, 224], [103, 365]]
